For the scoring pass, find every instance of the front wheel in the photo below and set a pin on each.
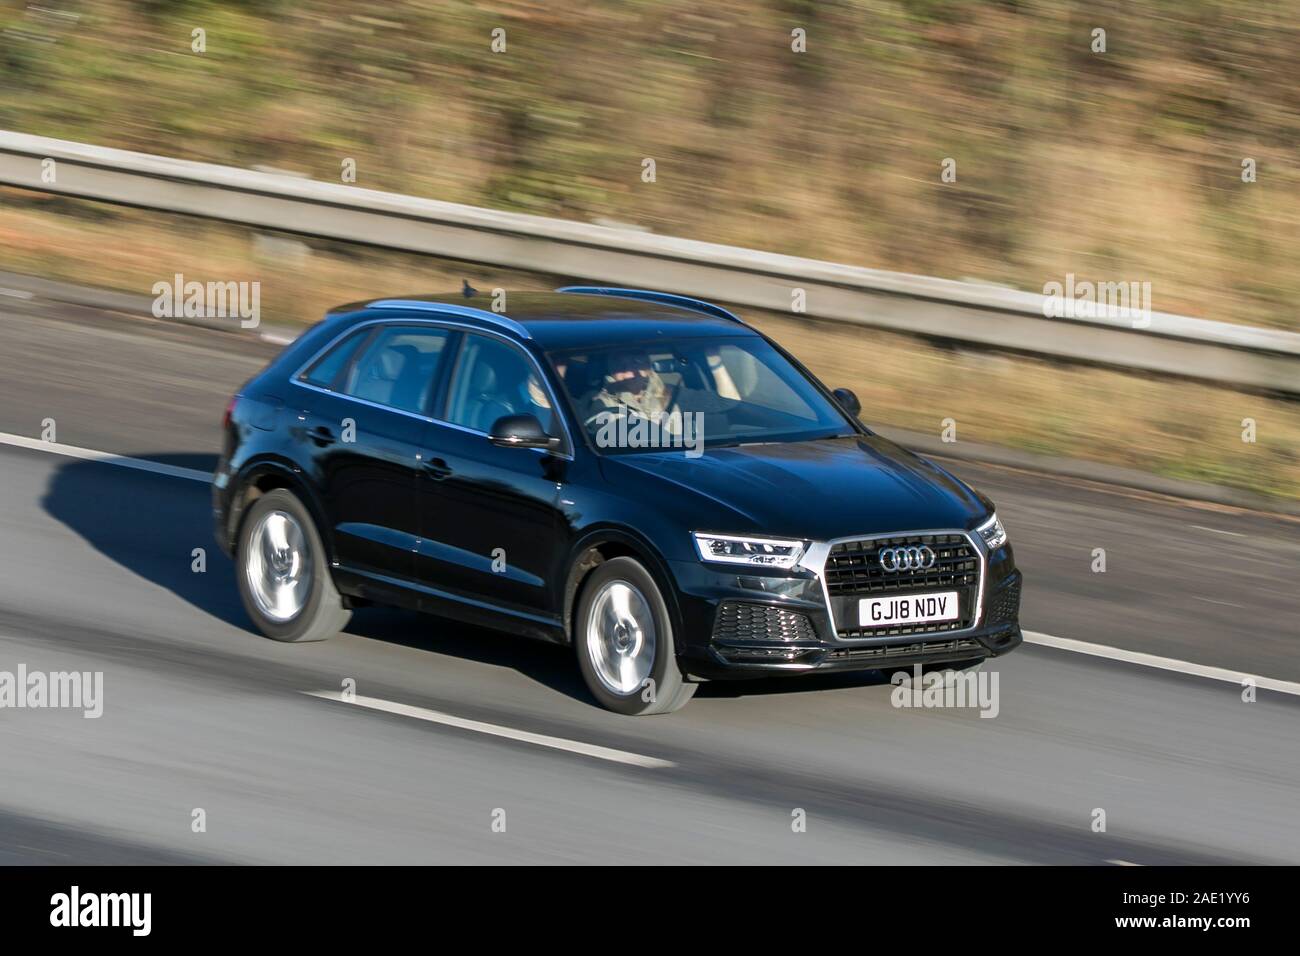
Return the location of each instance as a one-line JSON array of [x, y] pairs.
[[624, 641], [284, 577]]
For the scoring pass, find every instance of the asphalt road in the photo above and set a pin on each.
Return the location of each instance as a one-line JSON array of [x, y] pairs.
[[199, 712]]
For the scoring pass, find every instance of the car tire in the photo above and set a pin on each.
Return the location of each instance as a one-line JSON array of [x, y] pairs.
[[283, 572], [623, 635]]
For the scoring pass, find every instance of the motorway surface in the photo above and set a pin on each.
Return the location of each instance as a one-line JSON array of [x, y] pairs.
[[199, 712]]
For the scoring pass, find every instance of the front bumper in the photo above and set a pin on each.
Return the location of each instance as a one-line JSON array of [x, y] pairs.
[[736, 661], [761, 623]]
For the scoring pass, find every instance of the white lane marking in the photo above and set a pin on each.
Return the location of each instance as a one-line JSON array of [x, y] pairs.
[[1235, 534], [1160, 663], [108, 458], [1220, 603], [528, 737], [16, 293], [276, 338], [1123, 863]]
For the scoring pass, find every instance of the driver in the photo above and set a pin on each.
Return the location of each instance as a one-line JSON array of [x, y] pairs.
[[632, 382]]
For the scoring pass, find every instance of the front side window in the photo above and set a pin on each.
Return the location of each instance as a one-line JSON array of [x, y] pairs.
[[492, 380], [397, 367], [730, 391]]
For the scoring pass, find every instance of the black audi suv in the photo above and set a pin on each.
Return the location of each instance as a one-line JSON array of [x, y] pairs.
[[639, 475]]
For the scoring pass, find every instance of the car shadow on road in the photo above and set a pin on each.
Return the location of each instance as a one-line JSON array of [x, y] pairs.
[[551, 665], [151, 524], [810, 683]]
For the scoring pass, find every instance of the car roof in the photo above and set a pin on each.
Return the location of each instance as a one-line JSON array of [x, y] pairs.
[[558, 320]]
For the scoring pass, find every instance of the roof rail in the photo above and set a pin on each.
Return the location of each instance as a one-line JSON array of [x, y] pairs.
[[464, 311], [668, 298]]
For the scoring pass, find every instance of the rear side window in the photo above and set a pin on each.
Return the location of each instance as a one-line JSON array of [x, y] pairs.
[[325, 371], [397, 367]]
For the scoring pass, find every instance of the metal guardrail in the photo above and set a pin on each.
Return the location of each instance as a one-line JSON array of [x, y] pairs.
[[989, 316]]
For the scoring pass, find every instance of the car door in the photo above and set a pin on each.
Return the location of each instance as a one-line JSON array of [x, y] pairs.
[[491, 530], [362, 425]]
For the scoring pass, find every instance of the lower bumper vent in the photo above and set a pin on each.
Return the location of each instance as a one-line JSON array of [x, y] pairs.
[[891, 651], [1004, 605], [760, 623]]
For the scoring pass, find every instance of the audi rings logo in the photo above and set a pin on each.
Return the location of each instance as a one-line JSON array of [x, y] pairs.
[[907, 559]]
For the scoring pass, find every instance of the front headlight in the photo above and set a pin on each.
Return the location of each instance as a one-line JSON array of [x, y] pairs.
[[754, 552], [994, 535]]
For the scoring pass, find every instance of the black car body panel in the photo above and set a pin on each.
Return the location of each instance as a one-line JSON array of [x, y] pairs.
[[767, 489], [420, 512]]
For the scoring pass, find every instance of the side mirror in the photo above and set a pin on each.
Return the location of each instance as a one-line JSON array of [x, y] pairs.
[[848, 401], [521, 431]]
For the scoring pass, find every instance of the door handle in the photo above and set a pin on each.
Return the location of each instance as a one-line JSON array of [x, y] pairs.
[[437, 469], [321, 435]]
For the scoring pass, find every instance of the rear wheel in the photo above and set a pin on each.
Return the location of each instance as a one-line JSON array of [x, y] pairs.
[[624, 642], [284, 578]]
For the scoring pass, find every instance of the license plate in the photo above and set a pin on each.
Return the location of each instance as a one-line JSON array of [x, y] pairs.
[[908, 609]]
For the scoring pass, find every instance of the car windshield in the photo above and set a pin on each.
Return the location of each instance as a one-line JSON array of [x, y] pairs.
[[708, 392]]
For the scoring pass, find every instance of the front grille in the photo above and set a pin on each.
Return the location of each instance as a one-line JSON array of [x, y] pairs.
[[853, 567], [892, 651], [853, 571], [1004, 605], [760, 622]]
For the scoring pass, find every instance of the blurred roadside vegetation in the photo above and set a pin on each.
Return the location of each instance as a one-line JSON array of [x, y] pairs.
[[1124, 165]]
